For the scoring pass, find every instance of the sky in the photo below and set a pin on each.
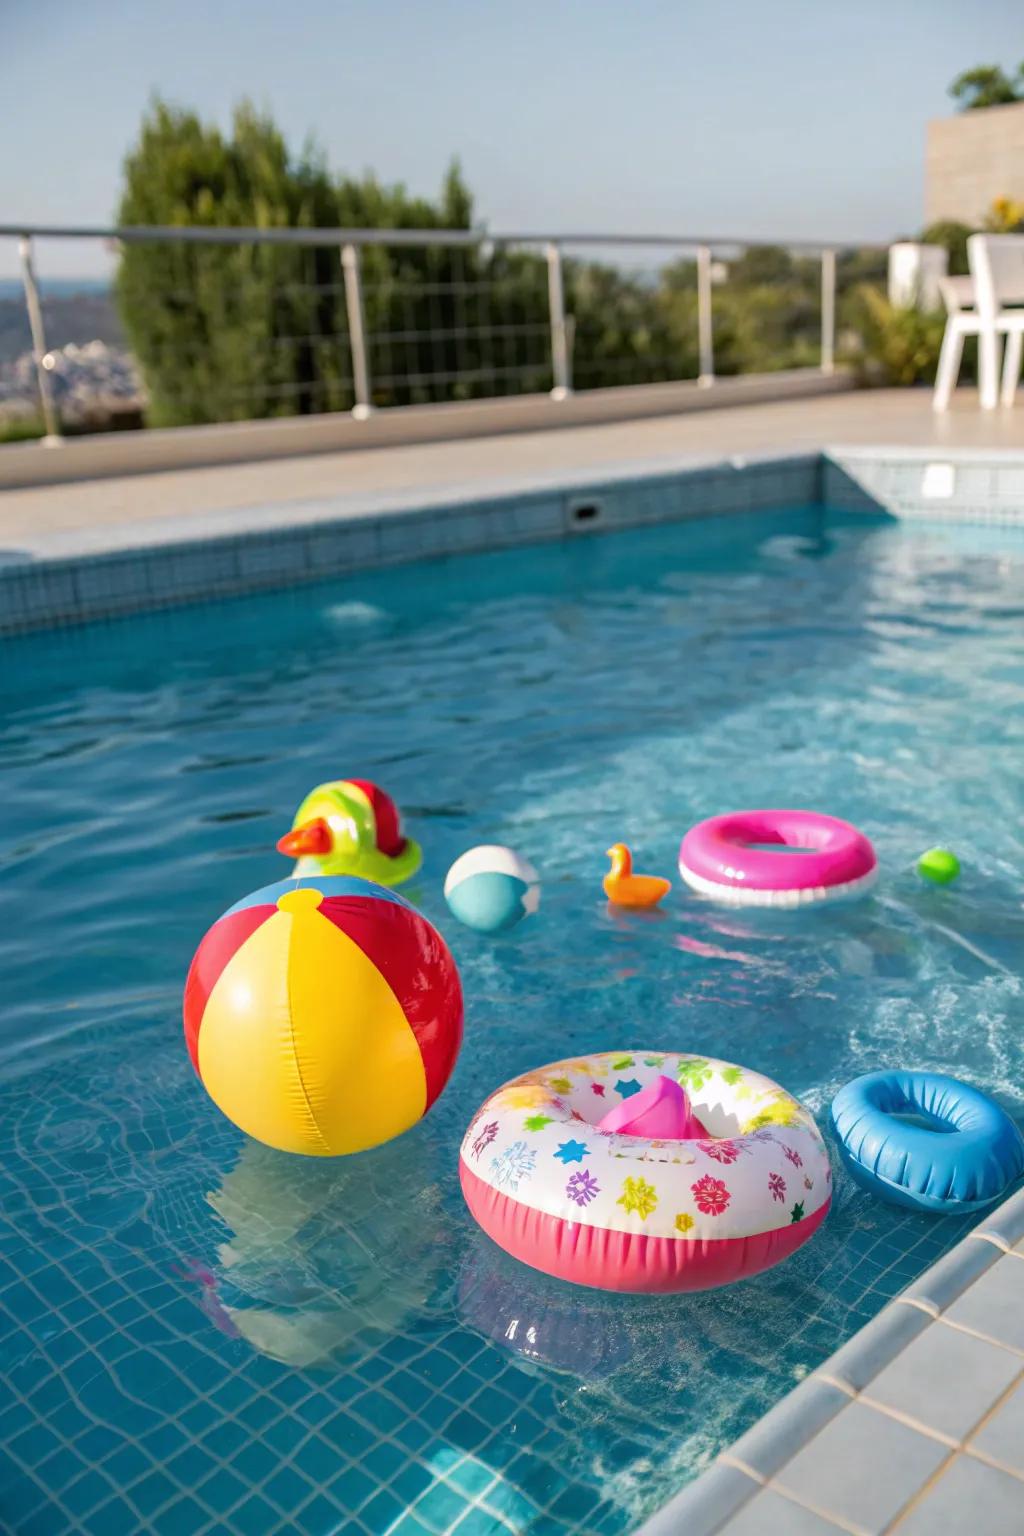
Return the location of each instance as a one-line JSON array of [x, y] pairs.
[[758, 118]]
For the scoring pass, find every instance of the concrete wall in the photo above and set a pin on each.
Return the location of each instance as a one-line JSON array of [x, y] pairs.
[[971, 160]]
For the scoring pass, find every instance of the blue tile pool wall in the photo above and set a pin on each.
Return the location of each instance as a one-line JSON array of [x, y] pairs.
[[40, 594], [961, 487]]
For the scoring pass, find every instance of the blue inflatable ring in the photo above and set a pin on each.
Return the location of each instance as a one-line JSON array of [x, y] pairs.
[[965, 1155]]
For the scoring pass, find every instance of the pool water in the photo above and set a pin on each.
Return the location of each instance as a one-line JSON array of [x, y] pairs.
[[200, 1334]]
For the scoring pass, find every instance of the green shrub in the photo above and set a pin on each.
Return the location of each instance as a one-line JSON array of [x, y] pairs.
[[236, 331], [229, 332], [900, 346], [953, 237]]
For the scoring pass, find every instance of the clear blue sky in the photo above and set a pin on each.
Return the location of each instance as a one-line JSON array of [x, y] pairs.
[[759, 117]]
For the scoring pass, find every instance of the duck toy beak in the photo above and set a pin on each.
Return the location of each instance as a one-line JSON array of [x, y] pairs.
[[312, 838]]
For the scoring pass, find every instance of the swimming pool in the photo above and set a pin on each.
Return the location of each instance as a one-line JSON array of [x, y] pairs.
[[199, 1334]]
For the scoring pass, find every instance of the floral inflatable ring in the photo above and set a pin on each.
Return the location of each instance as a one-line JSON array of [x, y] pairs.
[[646, 1171]]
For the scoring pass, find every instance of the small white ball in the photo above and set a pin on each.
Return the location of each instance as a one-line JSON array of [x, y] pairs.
[[491, 888]]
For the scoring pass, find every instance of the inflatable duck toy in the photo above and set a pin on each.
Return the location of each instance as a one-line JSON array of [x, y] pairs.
[[624, 888], [351, 827]]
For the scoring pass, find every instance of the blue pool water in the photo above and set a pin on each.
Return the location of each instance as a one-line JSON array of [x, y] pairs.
[[198, 1334]]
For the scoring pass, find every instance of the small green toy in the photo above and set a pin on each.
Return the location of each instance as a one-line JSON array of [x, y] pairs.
[[938, 865]]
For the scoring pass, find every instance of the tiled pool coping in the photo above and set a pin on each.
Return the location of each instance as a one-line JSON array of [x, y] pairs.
[[914, 1426], [104, 572]]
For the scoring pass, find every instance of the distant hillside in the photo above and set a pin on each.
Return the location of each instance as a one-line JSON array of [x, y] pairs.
[[71, 313]]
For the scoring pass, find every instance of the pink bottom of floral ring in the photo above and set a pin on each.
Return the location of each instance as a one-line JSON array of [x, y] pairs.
[[777, 858], [545, 1177]]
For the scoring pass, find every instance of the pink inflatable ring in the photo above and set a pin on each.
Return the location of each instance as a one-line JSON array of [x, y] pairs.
[[828, 859], [646, 1171]]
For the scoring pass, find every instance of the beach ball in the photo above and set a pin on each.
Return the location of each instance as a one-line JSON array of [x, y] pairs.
[[323, 1015], [491, 888]]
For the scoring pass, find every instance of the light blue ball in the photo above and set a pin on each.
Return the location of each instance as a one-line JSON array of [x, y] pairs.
[[492, 888]]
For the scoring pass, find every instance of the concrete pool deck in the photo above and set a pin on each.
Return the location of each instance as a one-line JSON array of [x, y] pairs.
[[90, 516]]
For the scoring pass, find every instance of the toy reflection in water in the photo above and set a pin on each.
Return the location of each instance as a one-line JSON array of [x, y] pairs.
[[317, 1253], [541, 1319]]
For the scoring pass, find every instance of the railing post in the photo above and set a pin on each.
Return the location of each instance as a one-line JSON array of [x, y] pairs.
[[560, 371], [705, 332], [828, 312], [39, 347], [356, 333]]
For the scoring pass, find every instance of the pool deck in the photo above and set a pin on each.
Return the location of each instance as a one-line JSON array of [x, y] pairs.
[[915, 1426], [146, 510]]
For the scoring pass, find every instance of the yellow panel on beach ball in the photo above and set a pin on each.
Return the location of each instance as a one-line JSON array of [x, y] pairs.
[[303, 1043]]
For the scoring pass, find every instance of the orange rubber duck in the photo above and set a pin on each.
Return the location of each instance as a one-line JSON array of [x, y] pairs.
[[628, 890]]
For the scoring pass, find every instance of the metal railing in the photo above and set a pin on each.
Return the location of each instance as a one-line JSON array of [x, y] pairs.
[[461, 351]]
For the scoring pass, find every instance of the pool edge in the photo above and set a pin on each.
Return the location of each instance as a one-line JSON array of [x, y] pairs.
[[116, 570], [759, 1459]]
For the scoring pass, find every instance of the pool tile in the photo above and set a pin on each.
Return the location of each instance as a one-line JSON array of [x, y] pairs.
[[403, 538], [255, 1517], [280, 557], [182, 1518], [771, 1514], [39, 1524], [250, 1462], [464, 530], [830, 1472], [34, 1444], [480, 1522], [1002, 1437], [471, 1475], [440, 1506], [116, 1515], [153, 1490], [258, 1412], [284, 1435], [352, 1488], [968, 1497], [222, 1491], [126, 1464], [410, 1525], [46, 591], [188, 571], [951, 1276], [322, 1518], [535, 519], [877, 1343], [287, 1488], [994, 1305], [225, 1438], [787, 1427], [704, 1506], [381, 1512], [384, 1461], [87, 1491], [411, 1479], [917, 1383], [342, 546]]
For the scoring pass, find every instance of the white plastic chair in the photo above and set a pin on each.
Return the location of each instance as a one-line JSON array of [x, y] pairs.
[[996, 283], [997, 266]]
